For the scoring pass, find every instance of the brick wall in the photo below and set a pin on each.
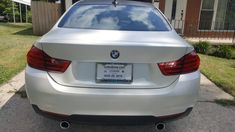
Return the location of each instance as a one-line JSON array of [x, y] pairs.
[[162, 5], [192, 19]]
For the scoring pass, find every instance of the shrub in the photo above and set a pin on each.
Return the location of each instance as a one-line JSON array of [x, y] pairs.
[[233, 53], [30, 16], [212, 50], [223, 51], [202, 47]]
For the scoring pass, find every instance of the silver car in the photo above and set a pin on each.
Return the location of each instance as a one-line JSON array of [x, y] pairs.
[[112, 60]]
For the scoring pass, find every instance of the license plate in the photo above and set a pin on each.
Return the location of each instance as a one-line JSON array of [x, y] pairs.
[[113, 72]]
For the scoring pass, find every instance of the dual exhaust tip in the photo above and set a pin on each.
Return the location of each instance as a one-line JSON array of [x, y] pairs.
[[66, 125], [160, 126]]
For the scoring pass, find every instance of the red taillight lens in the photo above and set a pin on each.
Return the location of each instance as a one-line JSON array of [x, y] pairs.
[[38, 59], [188, 63]]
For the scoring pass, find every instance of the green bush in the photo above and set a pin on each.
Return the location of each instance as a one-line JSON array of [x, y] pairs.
[[202, 47], [233, 53], [29, 17], [223, 51], [212, 50]]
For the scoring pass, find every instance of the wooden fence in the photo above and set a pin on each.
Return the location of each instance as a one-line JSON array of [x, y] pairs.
[[44, 16]]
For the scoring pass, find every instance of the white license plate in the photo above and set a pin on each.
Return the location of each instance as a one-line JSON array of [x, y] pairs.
[[113, 72]]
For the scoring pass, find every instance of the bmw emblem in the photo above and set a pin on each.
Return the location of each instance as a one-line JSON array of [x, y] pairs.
[[114, 54]]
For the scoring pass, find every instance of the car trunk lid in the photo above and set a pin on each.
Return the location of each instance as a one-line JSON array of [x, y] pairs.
[[86, 48]]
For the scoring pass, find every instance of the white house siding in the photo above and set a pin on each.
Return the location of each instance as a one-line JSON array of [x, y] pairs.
[[68, 3]]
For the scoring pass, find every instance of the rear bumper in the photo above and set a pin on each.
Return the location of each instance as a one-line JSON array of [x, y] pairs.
[[49, 96], [111, 119]]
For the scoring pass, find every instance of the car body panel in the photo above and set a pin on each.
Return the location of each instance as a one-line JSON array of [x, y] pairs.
[[87, 47], [53, 97], [72, 44]]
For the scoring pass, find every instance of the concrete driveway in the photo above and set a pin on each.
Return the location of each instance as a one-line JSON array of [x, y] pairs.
[[18, 116]]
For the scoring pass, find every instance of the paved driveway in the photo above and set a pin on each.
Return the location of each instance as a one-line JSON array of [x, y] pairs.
[[18, 116]]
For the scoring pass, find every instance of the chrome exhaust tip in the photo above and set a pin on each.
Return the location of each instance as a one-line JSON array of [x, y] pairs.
[[64, 125], [160, 126]]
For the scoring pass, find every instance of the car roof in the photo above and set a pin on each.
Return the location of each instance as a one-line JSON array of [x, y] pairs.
[[120, 2]]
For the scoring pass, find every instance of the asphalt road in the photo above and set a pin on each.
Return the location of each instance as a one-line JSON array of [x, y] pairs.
[[207, 116]]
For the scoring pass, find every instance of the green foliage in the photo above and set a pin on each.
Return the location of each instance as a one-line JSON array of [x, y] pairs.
[[212, 50], [29, 16], [220, 71], [4, 4], [16, 40], [202, 47], [233, 52], [7, 9], [223, 51]]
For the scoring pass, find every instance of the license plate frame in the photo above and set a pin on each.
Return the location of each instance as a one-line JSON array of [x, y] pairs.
[[108, 66]]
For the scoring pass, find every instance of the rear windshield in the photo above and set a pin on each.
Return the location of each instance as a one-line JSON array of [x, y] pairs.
[[109, 17]]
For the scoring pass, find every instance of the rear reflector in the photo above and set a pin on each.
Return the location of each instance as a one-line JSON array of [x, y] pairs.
[[188, 63], [38, 59]]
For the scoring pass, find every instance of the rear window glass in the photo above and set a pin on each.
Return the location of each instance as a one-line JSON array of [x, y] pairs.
[[109, 17]]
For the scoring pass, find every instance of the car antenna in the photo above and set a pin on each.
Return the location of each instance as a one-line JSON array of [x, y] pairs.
[[115, 2]]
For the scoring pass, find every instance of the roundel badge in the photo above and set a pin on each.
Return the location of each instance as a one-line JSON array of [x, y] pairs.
[[114, 54]]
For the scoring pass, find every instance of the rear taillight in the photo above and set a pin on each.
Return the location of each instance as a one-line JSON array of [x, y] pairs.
[[38, 59], [188, 63]]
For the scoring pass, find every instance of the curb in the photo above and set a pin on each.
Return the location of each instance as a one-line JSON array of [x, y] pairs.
[[11, 87], [212, 92]]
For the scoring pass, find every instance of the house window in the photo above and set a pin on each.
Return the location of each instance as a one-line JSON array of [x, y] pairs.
[[217, 15], [207, 13], [225, 16]]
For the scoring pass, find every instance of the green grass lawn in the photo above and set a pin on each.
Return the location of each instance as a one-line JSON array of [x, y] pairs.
[[220, 71], [15, 41]]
